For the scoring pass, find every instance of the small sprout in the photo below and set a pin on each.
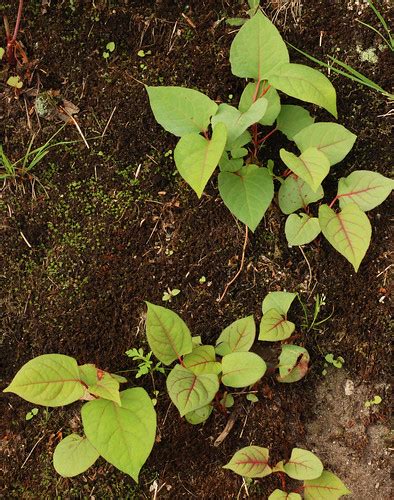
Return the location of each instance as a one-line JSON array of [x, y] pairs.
[[142, 53], [202, 280], [168, 296], [252, 397], [338, 363], [110, 48], [168, 153], [145, 364], [143, 67], [169, 252], [32, 413], [375, 401], [227, 401], [230, 96], [15, 81]]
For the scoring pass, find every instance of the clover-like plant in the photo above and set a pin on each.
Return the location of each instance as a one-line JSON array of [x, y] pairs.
[[118, 425], [303, 465], [194, 382], [231, 137]]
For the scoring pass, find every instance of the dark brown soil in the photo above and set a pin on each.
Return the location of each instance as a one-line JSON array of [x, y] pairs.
[[104, 229]]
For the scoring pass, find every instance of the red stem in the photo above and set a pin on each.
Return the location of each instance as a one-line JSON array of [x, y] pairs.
[[11, 42], [18, 21], [333, 201], [263, 139]]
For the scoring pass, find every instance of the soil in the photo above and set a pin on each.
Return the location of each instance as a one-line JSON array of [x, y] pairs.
[[97, 231]]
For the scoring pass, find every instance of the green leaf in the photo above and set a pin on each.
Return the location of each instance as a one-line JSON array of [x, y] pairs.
[[292, 119], [251, 461], [237, 122], [236, 21], [202, 360], [295, 193], [312, 166], [306, 84], [271, 96], [282, 495], [247, 193], [48, 380], [334, 140], [123, 435], [327, 487], [74, 455], [274, 327], [239, 153], [189, 391], [241, 369], [293, 363], [281, 301], [237, 337], [348, 231], [180, 110], [168, 335], [200, 415], [196, 157], [227, 165], [2, 52], [303, 464], [365, 188], [100, 383], [252, 398], [301, 229], [15, 82], [110, 46], [258, 49]]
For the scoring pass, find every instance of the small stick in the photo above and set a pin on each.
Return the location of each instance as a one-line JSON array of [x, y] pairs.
[[309, 267], [25, 239], [108, 122], [240, 267], [34, 447]]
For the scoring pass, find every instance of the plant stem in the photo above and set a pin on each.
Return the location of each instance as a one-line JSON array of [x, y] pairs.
[[18, 21], [333, 201], [263, 139], [11, 41]]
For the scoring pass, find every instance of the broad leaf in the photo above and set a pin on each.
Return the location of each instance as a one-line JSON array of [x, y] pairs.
[[251, 461], [348, 231], [365, 188], [274, 327], [202, 360], [48, 380], [237, 337], [303, 464], [327, 487], [241, 369], [123, 435], [293, 363], [168, 335], [100, 383], [301, 229], [74, 455], [283, 495], [258, 49], [272, 97], [292, 119], [306, 84], [239, 153], [247, 193], [197, 157], [281, 301], [295, 193], [199, 416], [332, 139], [230, 165], [312, 166], [189, 391], [236, 122], [180, 110], [242, 140]]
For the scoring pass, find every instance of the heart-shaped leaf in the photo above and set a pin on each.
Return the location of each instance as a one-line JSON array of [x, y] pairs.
[[292, 119], [241, 369], [295, 193], [301, 229], [197, 157], [74, 455], [168, 335], [180, 110], [236, 122], [281, 301], [199, 416], [48, 380], [189, 391], [348, 231], [283, 495], [272, 97], [258, 49], [365, 188], [332, 139], [306, 84], [312, 165], [247, 193], [327, 487], [237, 337], [303, 464], [202, 360], [293, 363], [230, 165], [123, 435], [274, 327], [251, 461]]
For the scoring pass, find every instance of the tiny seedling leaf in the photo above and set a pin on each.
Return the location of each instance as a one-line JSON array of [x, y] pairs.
[[281, 301], [241, 369], [292, 119], [237, 337], [301, 229], [303, 464], [202, 360], [251, 461], [327, 487], [295, 193], [74, 455], [110, 46], [15, 82], [275, 327], [312, 165]]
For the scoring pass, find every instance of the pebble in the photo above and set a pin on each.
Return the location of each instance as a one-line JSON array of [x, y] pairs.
[[349, 387]]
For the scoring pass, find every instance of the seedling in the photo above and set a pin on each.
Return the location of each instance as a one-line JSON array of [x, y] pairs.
[[170, 294], [142, 53], [303, 465], [15, 82], [118, 425], [145, 363], [110, 48], [330, 360], [13, 46], [375, 401], [193, 384], [31, 414], [313, 323], [212, 135], [202, 280]]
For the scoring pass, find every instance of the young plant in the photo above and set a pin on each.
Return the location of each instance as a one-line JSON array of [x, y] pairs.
[[303, 465], [194, 382], [13, 46], [145, 363], [212, 135], [118, 425]]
